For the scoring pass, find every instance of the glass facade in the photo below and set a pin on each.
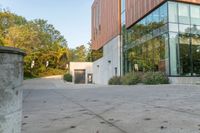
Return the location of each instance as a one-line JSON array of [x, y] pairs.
[[166, 40], [123, 12]]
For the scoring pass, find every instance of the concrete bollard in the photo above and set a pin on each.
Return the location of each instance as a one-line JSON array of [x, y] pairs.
[[11, 77]]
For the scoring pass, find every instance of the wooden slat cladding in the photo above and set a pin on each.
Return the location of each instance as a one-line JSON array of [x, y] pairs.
[[190, 1], [136, 9], [108, 25]]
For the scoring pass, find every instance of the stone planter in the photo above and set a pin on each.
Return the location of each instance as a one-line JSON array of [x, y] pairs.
[[11, 77]]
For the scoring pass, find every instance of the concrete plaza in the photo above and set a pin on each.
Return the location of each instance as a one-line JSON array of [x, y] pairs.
[[52, 106]]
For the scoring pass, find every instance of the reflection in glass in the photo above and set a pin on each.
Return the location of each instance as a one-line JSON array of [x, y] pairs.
[[196, 54], [149, 56], [184, 28], [174, 54], [173, 12], [195, 29], [184, 16], [163, 13], [173, 27], [156, 16], [184, 48], [123, 5], [165, 41], [195, 14], [123, 18]]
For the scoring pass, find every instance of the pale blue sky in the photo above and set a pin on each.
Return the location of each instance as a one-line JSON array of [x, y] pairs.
[[71, 17]]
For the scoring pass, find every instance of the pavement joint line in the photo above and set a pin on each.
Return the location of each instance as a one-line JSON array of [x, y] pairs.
[[164, 107], [95, 114], [171, 109]]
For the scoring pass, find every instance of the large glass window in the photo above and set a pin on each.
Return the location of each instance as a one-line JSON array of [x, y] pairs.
[[160, 54], [123, 12], [146, 43], [195, 47], [173, 12], [183, 28], [166, 41], [184, 53], [184, 13], [163, 13], [173, 27], [156, 16], [150, 56], [195, 29], [123, 18], [174, 54], [149, 19], [123, 5], [195, 14]]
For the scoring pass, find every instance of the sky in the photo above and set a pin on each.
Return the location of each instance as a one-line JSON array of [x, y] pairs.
[[71, 17]]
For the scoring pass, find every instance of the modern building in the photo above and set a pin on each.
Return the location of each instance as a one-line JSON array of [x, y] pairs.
[[147, 35], [81, 72], [106, 30]]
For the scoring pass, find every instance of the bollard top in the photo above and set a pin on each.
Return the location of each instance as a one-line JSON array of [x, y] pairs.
[[12, 50]]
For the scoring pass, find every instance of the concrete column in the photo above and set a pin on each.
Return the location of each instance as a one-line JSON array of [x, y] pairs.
[[11, 77]]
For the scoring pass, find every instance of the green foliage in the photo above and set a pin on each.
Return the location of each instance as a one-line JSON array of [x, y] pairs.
[[79, 54], [130, 79], [29, 75], [8, 19], [67, 77], [115, 81], [42, 43], [94, 55], [152, 78], [97, 54], [40, 40]]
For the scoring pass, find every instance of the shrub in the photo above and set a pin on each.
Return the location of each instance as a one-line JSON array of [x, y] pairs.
[[29, 75], [153, 78], [67, 77], [116, 80], [130, 79]]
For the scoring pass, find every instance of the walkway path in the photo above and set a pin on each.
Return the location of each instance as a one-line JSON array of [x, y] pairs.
[[52, 106]]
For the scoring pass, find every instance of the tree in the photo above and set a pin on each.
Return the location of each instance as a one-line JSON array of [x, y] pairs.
[[40, 40], [79, 54], [25, 37], [8, 19], [89, 53], [55, 35], [93, 55]]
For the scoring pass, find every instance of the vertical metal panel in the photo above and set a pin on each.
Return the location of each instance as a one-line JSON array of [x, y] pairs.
[[109, 26]]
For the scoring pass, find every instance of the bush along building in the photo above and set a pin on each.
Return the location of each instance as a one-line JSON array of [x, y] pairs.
[[147, 35]]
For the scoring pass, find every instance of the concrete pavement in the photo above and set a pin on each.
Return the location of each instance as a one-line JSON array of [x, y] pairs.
[[52, 106]]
